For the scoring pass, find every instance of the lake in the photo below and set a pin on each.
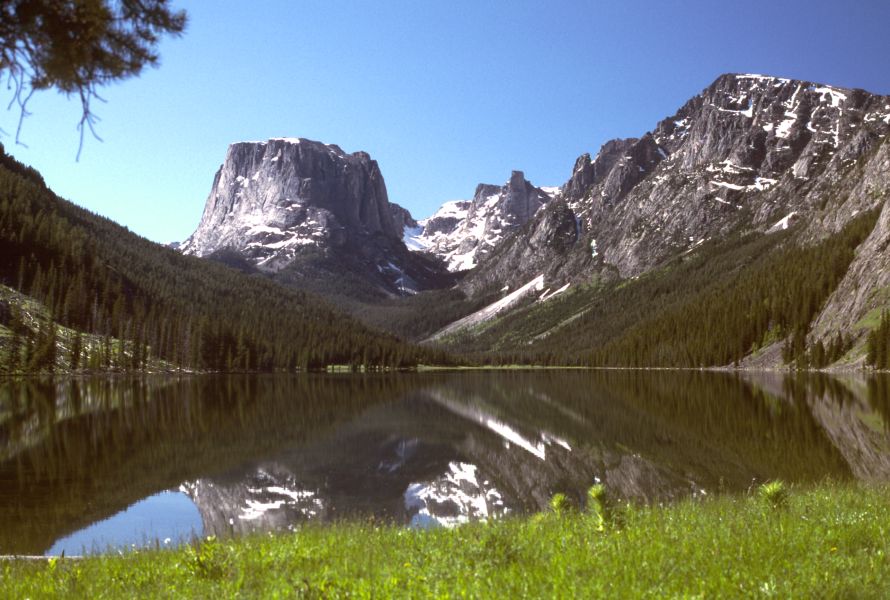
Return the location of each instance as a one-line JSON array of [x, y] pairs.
[[111, 463]]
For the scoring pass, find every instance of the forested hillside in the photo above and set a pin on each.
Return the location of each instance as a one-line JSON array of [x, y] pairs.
[[97, 277], [712, 307]]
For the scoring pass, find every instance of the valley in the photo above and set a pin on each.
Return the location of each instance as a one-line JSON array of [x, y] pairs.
[[756, 176], [446, 300]]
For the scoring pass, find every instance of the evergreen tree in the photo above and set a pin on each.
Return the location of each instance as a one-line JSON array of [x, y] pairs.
[[76, 349], [43, 355], [100, 279], [878, 344]]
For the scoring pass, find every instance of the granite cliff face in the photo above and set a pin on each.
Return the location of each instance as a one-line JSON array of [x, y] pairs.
[[270, 198], [308, 210], [750, 152]]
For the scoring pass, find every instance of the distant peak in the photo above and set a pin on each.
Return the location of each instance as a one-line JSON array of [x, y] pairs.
[[517, 178]]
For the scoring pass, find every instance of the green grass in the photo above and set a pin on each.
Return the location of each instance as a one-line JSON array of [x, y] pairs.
[[831, 541]]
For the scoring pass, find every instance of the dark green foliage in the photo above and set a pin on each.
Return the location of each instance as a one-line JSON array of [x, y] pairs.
[[96, 277], [879, 344], [43, 356], [341, 279], [781, 292], [78, 46], [75, 352], [13, 356], [822, 355], [714, 306], [418, 317], [567, 329]]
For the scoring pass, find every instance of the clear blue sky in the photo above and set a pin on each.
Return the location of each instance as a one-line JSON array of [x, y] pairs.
[[444, 95]]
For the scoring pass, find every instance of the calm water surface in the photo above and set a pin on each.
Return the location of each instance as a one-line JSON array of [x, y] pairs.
[[89, 465]]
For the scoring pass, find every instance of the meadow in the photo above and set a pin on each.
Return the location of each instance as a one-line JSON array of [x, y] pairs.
[[826, 541]]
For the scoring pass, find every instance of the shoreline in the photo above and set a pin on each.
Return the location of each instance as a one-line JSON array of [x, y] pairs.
[[860, 370]]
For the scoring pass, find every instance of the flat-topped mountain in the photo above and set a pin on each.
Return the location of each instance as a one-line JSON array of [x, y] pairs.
[[311, 212], [270, 198]]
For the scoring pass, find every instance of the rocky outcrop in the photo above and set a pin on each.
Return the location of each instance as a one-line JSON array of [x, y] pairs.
[[864, 290], [401, 217], [546, 247]]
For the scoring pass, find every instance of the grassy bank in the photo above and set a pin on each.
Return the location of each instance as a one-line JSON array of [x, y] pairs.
[[831, 541]]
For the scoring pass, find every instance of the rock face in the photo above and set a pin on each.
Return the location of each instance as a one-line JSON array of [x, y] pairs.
[[750, 151], [401, 217], [866, 286], [464, 232], [308, 210], [270, 198]]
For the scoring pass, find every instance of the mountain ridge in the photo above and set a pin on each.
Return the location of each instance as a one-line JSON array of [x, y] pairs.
[[139, 304], [749, 154], [718, 150]]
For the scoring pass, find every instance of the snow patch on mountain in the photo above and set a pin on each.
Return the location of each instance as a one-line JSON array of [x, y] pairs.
[[493, 309], [783, 223], [413, 238]]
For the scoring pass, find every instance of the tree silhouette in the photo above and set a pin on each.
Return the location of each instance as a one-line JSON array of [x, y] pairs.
[[78, 46]]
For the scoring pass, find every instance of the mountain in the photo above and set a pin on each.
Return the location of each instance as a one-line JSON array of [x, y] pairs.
[[753, 179], [81, 292], [270, 198], [464, 232], [307, 213], [749, 151], [754, 173]]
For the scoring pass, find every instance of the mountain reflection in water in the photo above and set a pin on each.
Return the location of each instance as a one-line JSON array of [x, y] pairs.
[[275, 451]]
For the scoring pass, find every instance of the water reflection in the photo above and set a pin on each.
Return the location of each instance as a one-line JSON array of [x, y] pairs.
[[272, 452]]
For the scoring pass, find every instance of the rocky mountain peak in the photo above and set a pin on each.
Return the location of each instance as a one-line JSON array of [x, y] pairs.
[[747, 148], [401, 217], [750, 151], [270, 199], [618, 166], [768, 123], [465, 231]]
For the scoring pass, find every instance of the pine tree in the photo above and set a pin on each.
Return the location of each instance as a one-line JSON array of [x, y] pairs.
[[43, 355], [76, 349], [878, 345], [818, 358]]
